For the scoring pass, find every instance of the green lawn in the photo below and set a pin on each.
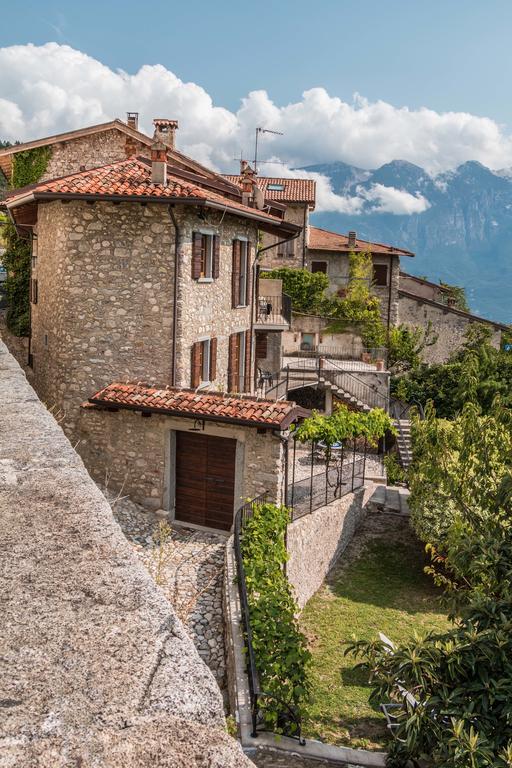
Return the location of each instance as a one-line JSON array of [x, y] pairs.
[[382, 588]]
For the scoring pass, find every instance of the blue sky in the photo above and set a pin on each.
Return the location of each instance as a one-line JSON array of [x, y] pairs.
[[447, 55], [358, 81]]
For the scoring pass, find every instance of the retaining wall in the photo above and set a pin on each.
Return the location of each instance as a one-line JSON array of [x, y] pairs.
[[316, 541], [95, 668]]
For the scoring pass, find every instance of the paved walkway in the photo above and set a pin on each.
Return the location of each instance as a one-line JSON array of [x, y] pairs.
[[188, 565], [273, 758]]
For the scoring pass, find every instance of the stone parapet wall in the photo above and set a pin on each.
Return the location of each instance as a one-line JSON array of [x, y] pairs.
[[316, 541], [95, 667], [450, 326]]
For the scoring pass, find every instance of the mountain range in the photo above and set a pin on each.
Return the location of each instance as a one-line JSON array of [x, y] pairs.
[[462, 237]]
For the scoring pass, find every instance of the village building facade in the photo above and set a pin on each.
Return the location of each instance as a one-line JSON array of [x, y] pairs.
[[143, 272]]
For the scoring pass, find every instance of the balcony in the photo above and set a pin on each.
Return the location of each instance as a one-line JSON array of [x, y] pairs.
[[273, 313]]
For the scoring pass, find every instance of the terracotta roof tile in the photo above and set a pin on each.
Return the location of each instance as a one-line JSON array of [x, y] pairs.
[[294, 191], [188, 403], [131, 178], [323, 240]]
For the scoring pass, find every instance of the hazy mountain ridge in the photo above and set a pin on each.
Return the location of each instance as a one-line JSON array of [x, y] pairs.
[[464, 236]]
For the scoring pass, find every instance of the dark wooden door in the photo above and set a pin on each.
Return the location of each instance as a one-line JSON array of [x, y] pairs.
[[205, 480]]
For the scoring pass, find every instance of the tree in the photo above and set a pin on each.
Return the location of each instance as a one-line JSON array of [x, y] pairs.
[[306, 289], [460, 681], [406, 344], [458, 470]]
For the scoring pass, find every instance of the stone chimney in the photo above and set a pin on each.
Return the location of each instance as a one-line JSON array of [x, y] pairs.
[[352, 239], [158, 163], [132, 119], [165, 131], [247, 182]]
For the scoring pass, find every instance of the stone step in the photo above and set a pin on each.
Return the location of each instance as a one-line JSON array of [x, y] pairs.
[[393, 499]]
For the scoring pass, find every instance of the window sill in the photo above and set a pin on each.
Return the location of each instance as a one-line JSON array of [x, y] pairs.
[[205, 279], [241, 306]]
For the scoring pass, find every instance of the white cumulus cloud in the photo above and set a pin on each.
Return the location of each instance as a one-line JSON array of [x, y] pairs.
[[391, 200], [52, 88]]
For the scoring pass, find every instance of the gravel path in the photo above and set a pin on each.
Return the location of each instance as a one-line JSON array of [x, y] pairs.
[[188, 565]]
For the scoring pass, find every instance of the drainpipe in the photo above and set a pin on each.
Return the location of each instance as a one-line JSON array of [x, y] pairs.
[[255, 274], [175, 314], [304, 232]]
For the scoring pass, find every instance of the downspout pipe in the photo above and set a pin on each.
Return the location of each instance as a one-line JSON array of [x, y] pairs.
[[255, 273], [176, 296]]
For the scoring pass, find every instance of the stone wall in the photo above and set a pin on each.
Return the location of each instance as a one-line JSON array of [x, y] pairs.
[[338, 273], [96, 669], [132, 456], [449, 324], [316, 541], [296, 213], [205, 306], [349, 341], [92, 151], [105, 294], [106, 291]]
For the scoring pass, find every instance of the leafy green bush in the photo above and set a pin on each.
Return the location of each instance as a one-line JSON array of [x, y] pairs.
[[306, 289], [458, 469], [343, 424], [477, 371], [394, 471], [282, 657], [28, 167], [461, 680], [405, 345]]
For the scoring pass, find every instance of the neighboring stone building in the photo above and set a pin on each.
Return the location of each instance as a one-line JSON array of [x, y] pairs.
[[297, 197], [329, 252], [448, 324], [142, 272]]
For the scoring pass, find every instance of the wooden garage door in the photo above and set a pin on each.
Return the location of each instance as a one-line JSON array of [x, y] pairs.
[[205, 480]]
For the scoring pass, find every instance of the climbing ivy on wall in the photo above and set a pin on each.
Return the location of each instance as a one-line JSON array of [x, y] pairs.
[[28, 167], [282, 657]]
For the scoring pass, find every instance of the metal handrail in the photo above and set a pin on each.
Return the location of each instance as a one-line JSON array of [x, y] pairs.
[[255, 691], [364, 392]]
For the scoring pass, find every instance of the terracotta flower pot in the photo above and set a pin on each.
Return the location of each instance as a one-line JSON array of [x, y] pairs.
[[379, 365]]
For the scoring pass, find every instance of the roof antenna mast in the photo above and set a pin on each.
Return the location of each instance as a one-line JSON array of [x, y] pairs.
[[258, 131]]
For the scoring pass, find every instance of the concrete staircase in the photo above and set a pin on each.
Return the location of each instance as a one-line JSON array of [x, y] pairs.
[[403, 442], [344, 397], [390, 500]]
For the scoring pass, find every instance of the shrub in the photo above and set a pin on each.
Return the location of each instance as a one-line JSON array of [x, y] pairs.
[[306, 289], [394, 471], [282, 658]]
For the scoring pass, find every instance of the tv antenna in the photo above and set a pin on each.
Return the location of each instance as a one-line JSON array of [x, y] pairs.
[[259, 130]]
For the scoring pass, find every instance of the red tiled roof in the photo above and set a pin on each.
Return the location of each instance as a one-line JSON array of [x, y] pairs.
[[295, 190], [129, 179], [323, 240], [212, 406]]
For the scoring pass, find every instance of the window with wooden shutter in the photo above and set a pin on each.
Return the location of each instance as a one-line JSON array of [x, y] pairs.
[[213, 359], [33, 291], [261, 345], [216, 257], [196, 364], [234, 363], [247, 362], [249, 275], [197, 248], [380, 274], [235, 275]]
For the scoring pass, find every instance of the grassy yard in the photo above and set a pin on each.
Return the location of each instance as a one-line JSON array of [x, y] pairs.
[[379, 586]]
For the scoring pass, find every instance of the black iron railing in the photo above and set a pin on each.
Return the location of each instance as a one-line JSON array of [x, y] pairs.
[[352, 352], [274, 310], [289, 719], [331, 475]]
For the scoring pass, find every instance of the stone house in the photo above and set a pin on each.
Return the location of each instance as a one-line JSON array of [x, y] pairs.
[[143, 274], [424, 304], [298, 198]]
